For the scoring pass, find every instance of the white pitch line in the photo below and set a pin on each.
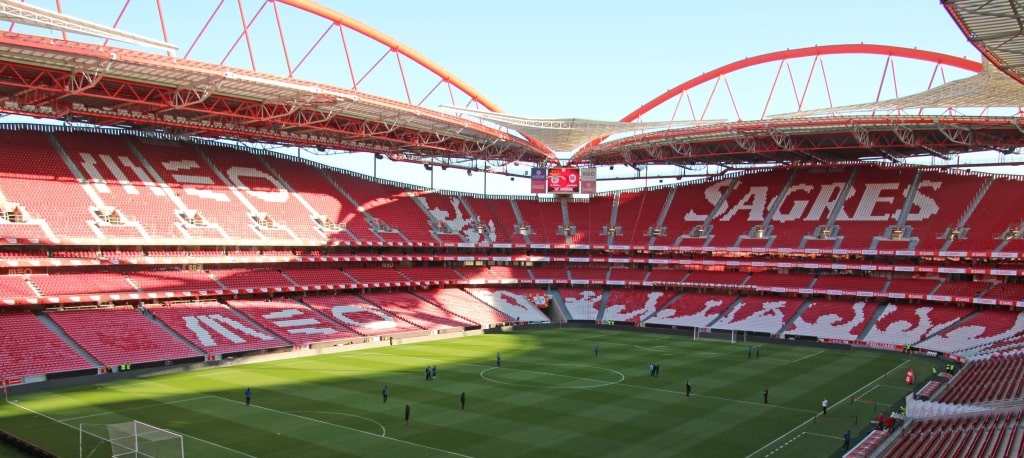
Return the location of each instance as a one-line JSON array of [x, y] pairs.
[[801, 425], [314, 420], [73, 427], [133, 408], [808, 356]]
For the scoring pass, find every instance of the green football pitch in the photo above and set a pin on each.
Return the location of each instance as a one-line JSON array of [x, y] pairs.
[[552, 396]]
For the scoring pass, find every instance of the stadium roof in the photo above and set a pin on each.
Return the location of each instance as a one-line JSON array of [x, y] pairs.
[[988, 89], [568, 134], [996, 28]]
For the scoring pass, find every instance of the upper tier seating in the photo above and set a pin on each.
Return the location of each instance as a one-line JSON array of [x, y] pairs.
[[35, 176], [634, 305], [359, 315], [292, 321], [667, 275], [373, 275], [941, 200], [120, 335], [760, 314], [689, 208], [872, 204], [693, 309], [747, 205], [30, 348], [312, 188], [833, 319], [716, 277], [638, 213], [626, 274], [214, 328], [992, 216], [905, 323], [497, 219], [521, 304], [261, 190], [590, 219], [596, 274], [558, 273], [431, 275], [544, 218], [453, 213], [582, 303], [807, 205], [193, 185], [120, 179], [392, 206]]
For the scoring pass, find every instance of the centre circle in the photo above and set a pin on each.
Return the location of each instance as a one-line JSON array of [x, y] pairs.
[[570, 376]]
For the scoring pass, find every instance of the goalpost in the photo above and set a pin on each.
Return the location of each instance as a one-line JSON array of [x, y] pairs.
[[129, 439]]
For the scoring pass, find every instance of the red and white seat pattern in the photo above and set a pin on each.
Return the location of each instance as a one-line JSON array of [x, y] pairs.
[[833, 319], [214, 328], [464, 305], [120, 335], [521, 304], [985, 327], [759, 314], [292, 321], [582, 304], [693, 309], [416, 310], [30, 348], [633, 305], [906, 323], [359, 315]]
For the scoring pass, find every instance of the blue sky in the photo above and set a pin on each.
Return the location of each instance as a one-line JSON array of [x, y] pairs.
[[591, 59]]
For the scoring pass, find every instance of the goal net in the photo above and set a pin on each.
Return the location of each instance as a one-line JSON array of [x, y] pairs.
[[133, 439]]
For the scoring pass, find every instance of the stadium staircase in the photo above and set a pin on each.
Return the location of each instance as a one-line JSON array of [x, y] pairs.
[[796, 314], [871, 322], [725, 312], [57, 330], [774, 209], [602, 305], [840, 201]]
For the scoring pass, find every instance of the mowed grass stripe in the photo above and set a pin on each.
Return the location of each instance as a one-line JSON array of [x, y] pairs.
[[312, 402]]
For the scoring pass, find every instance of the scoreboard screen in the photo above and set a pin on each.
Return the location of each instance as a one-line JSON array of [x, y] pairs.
[[563, 180]]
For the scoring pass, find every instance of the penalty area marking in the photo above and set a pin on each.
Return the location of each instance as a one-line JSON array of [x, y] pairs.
[[851, 395], [597, 384], [383, 430], [176, 432]]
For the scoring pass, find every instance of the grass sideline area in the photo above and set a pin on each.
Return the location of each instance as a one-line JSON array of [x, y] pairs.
[[552, 396]]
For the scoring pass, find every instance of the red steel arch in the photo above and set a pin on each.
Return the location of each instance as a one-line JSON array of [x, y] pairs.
[[884, 50], [393, 44]]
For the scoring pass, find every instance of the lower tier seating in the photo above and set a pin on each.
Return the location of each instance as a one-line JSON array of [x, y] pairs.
[[120, 335]]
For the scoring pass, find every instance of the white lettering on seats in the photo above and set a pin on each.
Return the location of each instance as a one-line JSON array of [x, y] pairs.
[[755, 201], [199, 324], [304, 325], [175, 166], [342, 313], [712, 194], [89, 164], [871, 198], [925, 206], [236, 173]]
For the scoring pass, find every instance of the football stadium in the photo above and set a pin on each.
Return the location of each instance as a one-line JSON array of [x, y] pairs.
[[263, 228]]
